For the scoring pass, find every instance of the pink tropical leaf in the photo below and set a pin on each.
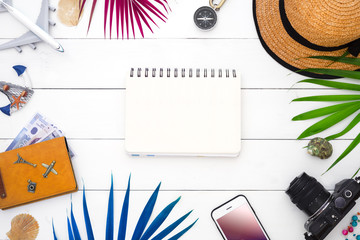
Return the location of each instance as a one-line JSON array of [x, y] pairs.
[[112, 4], [82, 7], [161, 2], [153, 9], [132, 17], [91, 14], [118, 10], [136, 14], [126, 17], [143, 15], [131, 14], [143, 12], [105, 15]]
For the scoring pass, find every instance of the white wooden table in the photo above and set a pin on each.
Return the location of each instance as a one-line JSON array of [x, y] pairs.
[[82, 92]]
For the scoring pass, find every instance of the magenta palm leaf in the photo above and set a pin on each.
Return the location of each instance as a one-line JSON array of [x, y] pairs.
[[131, 14]]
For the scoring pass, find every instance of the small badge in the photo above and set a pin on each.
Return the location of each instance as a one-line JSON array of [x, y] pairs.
[[49, 168], [21, 160], [31, 187]]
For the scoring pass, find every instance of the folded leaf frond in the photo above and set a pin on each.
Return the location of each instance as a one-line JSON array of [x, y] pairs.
[[324, 111], [351, 147], [329, 121]]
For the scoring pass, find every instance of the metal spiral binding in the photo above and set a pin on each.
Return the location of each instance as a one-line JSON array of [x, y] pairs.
[[168, 72]]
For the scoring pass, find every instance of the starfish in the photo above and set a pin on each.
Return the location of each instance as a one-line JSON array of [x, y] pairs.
[[17, 101]]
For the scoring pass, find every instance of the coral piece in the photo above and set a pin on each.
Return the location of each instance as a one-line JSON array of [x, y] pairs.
[[23, 227], [320, 147]]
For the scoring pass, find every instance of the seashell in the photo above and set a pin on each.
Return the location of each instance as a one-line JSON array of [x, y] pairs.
[[320, 147], [23, 227]]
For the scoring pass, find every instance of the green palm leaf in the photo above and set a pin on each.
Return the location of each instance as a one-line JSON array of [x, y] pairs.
[[334, 72], [333, 84], [323, 111], [328, 98], [352, 145], [356, 173], [353, 123], [337, 114], [348, 60], [329, 121]]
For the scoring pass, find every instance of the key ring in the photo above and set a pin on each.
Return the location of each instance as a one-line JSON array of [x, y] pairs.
[[216, 7]]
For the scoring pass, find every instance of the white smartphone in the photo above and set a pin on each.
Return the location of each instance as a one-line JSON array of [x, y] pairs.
[[236, 220]]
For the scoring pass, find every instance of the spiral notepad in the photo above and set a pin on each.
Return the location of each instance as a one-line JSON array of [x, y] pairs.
[[188, 112]]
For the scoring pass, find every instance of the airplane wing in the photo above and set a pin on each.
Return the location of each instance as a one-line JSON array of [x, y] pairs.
[[29, 37], [2, 9]]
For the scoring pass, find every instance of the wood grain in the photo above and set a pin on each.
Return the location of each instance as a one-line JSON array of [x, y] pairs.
[[83, 92]]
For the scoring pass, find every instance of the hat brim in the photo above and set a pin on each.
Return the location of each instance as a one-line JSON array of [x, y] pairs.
[[284, 49]]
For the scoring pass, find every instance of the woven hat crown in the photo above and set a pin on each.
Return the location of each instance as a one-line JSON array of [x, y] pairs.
[[327, 23]]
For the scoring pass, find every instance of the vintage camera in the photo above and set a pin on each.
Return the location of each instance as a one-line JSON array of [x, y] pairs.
[[325, 210]]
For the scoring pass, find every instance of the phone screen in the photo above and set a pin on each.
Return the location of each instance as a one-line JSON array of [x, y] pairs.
[[241, 224]]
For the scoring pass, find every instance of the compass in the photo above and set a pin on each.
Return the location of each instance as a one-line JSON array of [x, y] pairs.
[[205, 18]]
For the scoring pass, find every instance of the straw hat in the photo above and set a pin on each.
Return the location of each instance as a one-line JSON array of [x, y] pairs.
[[291, 30]]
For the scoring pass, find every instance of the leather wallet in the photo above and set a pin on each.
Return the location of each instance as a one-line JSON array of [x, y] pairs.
[[35, 172]]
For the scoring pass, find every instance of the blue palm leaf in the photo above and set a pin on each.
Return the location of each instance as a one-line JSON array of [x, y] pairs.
[[145, 215], [179, 235], [139, 232], [70, 233], [159, 220], [110, 214], [55, 238], [170, 228], [124, 214], [89, 230], [74, 225]]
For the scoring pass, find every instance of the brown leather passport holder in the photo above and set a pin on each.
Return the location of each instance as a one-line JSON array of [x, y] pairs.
[[35, 172]]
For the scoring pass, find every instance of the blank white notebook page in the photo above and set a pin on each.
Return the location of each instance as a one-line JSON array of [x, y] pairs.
[[182, 115]]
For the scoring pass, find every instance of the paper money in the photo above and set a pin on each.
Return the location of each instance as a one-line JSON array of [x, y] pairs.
[[37, 130]]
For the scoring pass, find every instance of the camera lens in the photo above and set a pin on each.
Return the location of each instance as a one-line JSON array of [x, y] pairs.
[[307, 193]]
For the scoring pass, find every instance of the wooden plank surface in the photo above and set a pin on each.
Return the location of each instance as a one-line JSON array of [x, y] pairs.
[[261, 171], [99, 113], [83, 92], [275, 214]]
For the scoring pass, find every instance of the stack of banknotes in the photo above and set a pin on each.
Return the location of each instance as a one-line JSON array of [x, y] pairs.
[[38, 130]]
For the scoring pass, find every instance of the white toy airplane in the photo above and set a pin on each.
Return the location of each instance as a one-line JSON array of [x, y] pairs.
[[30, 38]]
